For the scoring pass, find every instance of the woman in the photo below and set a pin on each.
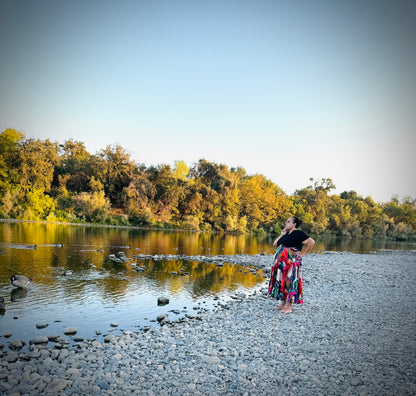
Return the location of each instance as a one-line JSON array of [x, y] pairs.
[[286, 282]]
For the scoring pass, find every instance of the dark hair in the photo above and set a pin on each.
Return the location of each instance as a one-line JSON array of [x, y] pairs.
[[297, 221]]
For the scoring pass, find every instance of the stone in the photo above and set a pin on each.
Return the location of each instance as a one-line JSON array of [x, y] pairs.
[[54, 338], [162, 301], [34, 354], [73, 371], [47, 360], [16, 345], [39, 340], [4, 387], [213, 360], [11, 357], [42, 325], [161, 317], [56, 386], [63, 354], [70, 331]]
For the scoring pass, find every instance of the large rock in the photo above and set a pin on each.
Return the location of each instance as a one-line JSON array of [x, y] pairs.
[[162, 301], [70, 331]]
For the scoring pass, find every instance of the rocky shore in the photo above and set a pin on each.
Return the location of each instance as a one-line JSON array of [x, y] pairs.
[[354, 335]]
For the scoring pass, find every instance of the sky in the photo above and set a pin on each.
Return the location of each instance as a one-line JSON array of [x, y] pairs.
[[291, 90]]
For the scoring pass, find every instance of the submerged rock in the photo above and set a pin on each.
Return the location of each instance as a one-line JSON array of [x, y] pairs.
[[162, 301], [161, 317]]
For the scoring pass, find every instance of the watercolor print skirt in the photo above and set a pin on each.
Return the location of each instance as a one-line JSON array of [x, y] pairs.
[[286, 281]]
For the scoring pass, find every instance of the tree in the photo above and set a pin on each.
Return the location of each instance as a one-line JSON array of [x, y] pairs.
[[262, 202], [37, 163], [181, 170], [115, 171], [168, 191], [401, 212], [137, 199], [315, 200], [9, 159], [78, 165]]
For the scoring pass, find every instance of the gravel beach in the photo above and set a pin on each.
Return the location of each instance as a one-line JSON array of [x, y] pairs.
[[354, 335]]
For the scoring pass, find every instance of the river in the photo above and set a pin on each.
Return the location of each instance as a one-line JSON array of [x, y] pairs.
[[75, 283]]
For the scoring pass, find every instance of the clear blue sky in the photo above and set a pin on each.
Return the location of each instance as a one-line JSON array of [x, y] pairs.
[[288, 89]]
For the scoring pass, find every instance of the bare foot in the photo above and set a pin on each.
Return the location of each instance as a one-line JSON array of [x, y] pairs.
[[287, 310]]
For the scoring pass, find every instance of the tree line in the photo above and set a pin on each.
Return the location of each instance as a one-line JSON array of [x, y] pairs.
[[44, 180]]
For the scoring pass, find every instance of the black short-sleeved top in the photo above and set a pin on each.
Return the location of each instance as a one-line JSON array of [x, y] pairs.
[[294, 239]]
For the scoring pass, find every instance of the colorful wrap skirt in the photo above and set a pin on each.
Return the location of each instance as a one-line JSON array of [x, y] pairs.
[[286, 282]]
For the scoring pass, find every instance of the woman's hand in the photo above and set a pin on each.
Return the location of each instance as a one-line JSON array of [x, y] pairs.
[[283, 233]]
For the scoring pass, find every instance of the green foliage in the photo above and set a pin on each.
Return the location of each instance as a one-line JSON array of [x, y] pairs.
[[9, 207], [37, 164], [41, 180], [92, 207], [38, 205], [115, 170], [9, 160]]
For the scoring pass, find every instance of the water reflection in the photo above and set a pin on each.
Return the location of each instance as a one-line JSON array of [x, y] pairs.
[[74, 281], [18, 294], [359, 245], [100, 291]]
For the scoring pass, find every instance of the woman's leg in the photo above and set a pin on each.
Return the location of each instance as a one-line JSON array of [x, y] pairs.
[[282, 305], [288, 308]]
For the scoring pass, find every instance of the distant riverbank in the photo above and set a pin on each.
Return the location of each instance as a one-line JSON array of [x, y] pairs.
[[92, 225]]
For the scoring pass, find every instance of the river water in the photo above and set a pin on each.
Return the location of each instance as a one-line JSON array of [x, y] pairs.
[[99, 292]]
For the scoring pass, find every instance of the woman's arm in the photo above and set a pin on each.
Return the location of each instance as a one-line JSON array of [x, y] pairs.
[[309, 244], [283, 233]]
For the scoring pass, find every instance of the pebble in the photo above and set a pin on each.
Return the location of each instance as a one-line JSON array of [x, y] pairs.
[[344, 340]]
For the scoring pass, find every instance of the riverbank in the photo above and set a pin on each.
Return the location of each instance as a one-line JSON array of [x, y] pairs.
[[355, 334]]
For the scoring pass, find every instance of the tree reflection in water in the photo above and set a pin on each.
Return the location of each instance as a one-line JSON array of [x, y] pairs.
[[100, 291]]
